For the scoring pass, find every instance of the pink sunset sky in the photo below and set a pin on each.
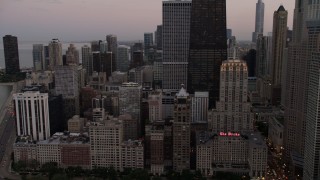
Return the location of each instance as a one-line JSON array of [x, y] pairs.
[[84, 20]]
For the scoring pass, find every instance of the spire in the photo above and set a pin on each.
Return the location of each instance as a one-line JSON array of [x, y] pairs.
[[182, 92], [281, 8]]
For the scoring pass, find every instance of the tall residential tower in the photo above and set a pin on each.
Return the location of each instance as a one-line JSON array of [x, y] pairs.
[[11, 54]]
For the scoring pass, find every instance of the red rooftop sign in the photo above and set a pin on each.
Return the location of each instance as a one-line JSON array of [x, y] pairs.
[[229, 134]]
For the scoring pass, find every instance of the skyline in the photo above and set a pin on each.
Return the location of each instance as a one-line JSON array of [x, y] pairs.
[[37, 20]]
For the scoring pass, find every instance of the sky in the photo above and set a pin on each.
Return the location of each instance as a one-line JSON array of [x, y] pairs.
[[86, 20]]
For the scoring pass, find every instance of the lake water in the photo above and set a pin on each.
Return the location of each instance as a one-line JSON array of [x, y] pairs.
[[25, 52], [4, 94]]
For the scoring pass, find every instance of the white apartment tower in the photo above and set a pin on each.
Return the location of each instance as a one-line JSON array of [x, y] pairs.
[[233, 110], [175, 36], [32, 115], [55, 53]]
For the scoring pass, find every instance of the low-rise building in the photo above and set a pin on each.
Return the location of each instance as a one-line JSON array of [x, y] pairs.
[[66, 149], [132, 154], [24, 149], [243, 154]]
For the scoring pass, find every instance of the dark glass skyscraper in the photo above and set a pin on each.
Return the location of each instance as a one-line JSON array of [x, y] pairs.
[[11, 54], [208, 47]]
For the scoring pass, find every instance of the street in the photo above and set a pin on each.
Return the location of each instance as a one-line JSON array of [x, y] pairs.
[[7, 137]]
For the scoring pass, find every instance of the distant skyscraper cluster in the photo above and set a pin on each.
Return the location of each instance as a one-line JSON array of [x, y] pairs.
[[189, 96]]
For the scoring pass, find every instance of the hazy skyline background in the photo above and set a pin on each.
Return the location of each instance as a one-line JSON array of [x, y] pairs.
[[86, 20]]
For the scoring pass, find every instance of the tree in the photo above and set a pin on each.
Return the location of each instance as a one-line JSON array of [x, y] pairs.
[[139, 174], [186, 174], [51, 168], [59, 177], [19, 166], [34, 164]]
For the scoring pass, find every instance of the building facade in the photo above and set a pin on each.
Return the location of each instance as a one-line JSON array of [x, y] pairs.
[[130, 101], [38, 57], [72, 55], [113, 47], [233, 109], [11, 54], [123, 58], [259, 20], [279, 40], [55, 54], [87, 59], [200, 106], [32, 115], [181, 131], [175, 36], [208, 47]]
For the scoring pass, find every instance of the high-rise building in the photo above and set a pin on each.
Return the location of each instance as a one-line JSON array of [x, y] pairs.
[[232, 113], [155, 106], [229, 33], [102, 62], [159, 37], [279, 41], [261, 56], [312, 138], [32, 115], [72, 55], [137, 59], [175, 36], [181, 131], [46, 57], [304, 43], [259, 20], [208, 47], [200, 106], [103, 46], [148, 40], [11, 54], [95, 46], [106, 151], [123, 58], [55, 54], [66, 83], [130, 101], [148, 44], [38, 53], [87, 59], [113, 47]]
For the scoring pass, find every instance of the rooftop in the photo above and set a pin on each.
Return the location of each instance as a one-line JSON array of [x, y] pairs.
[[182, 92]]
